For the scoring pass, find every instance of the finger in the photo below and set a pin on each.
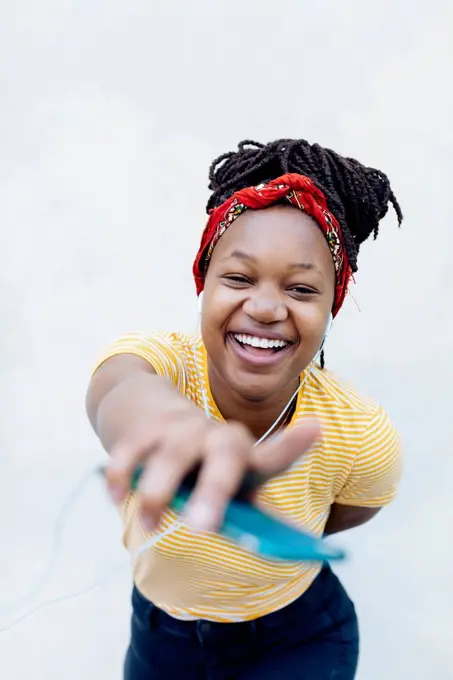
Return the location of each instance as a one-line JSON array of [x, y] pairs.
[[125, 456], [227, 456], [162, 477], [281, 451]]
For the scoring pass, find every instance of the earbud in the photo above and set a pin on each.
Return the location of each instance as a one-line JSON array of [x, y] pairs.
[[326, 333], [329, 326], [200, 303]]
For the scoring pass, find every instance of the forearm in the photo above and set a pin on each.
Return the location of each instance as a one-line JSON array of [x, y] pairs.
[[124, 389], [345, 517]]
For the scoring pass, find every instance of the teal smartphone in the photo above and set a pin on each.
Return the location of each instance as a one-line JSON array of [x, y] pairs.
[[254, 529]]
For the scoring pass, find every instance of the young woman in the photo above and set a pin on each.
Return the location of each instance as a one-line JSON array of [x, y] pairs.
[[285, 224]]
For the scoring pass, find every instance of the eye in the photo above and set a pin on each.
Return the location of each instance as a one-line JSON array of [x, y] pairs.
[[302, 291], [237, 279]]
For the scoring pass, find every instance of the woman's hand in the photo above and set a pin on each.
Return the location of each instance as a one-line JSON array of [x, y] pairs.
[[154, 426]]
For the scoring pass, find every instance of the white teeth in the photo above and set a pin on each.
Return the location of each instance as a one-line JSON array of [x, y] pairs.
[[263, 343]]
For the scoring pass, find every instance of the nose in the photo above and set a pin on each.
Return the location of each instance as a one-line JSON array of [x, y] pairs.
[[266, 307]]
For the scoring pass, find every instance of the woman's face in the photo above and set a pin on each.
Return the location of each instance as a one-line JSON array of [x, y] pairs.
[[268, 294]]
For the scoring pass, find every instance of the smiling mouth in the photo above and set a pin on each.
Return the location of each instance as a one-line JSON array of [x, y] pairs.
[[257, 346]]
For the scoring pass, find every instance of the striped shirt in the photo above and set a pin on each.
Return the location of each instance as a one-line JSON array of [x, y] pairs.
[[205, 576]]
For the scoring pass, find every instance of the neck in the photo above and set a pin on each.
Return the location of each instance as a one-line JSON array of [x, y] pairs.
[[258, 415]]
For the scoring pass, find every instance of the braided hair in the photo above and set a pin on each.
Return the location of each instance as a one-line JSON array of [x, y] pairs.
[[357, 195]]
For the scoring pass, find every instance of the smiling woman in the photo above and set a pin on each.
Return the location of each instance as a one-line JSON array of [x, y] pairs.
[[285, 224]]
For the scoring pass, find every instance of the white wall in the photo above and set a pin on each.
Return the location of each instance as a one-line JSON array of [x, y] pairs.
[[110, 115]]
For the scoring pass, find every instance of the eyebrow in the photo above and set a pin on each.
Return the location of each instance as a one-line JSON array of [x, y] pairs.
[[241, 255]]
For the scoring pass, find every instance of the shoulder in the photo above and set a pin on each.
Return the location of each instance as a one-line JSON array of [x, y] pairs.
[[182, 343], [170, 353], [156, 342], [336, 392], [351, 417]]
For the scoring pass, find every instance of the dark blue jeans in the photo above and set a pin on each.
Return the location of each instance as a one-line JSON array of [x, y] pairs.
[[314, 638]]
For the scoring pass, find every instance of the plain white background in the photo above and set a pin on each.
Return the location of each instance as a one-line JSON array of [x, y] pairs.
[[110, 115]]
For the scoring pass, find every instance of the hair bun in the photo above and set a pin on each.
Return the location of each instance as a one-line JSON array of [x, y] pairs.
[[357, 195]]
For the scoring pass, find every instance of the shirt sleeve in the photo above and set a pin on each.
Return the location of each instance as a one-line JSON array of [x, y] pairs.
[[377, 468], [163, 351]]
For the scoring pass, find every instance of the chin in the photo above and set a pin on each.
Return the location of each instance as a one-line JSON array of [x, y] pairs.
[[255, 390]]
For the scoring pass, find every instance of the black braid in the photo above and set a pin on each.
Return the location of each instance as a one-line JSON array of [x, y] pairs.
[[358, 196]]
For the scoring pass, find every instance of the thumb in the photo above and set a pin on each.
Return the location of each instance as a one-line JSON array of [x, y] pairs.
[[280, 452]]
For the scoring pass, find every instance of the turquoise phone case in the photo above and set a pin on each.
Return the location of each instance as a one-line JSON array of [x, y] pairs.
[[267, 536]]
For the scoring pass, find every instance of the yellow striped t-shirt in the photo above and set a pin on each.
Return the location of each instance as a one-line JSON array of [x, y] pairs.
[[357, 462]]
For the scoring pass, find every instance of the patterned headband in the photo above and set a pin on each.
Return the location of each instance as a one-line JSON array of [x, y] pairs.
[[301, 193]]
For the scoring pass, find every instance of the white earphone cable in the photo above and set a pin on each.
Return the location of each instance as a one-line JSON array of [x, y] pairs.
[[55, 553], [49, 603]]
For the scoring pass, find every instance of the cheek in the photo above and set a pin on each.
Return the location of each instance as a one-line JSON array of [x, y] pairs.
[[213, 317], [311, 321], [219, 304]]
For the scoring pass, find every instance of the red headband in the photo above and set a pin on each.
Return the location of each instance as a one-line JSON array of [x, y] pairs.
[[301, 193]]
